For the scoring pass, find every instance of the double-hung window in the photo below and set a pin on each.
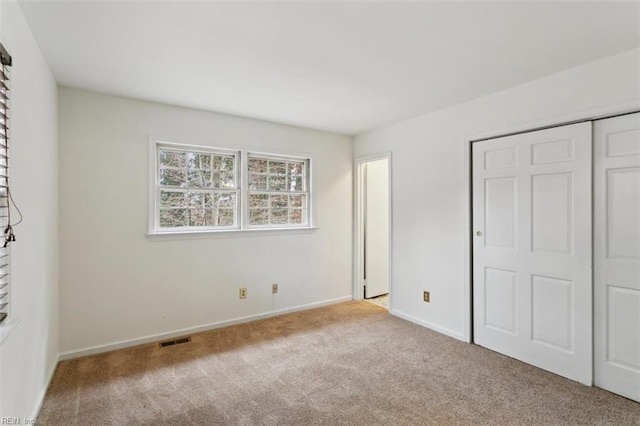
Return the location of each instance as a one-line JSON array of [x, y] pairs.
[[200, 189], [197, 188], [278, 190]]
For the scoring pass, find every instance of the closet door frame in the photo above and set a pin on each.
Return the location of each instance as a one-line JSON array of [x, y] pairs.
[[467, 193]]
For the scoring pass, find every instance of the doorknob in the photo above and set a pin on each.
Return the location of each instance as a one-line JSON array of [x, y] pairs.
[[478, 233]]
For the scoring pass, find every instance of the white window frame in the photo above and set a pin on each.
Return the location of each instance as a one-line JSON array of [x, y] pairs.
[[242, 190], [154, 226], [307, 185]]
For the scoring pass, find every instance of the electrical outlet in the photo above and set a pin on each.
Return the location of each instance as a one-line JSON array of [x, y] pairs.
[[243, 293], [274, 288], [426, 296]]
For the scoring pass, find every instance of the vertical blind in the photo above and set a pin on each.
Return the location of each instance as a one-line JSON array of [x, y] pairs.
[[4, 181]]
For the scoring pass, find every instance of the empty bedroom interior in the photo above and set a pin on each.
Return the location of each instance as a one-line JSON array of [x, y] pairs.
[[199, 175]]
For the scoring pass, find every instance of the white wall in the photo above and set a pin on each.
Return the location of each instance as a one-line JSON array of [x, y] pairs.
[[116, 284], [30, 352], [430, 213]]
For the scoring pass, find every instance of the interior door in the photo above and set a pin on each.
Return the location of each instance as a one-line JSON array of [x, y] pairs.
[[617, 255], [532, 289], [376, 228]]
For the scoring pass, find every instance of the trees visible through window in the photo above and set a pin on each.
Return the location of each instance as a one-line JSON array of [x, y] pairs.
[[198, 189], [278, 191]]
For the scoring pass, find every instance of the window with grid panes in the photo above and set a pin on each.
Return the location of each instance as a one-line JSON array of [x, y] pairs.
[[197, 189], [278, 191]]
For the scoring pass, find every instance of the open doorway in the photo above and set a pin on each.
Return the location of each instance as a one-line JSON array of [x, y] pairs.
[[373, 229]]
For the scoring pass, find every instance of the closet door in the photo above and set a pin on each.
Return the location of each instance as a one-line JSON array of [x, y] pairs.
[[617, 255], [532, 289]]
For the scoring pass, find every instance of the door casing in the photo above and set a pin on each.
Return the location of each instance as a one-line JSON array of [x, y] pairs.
[[358, 228]]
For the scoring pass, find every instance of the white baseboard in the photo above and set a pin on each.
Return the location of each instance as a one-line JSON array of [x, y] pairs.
[[43, 393], [176, 333], [429, 325]]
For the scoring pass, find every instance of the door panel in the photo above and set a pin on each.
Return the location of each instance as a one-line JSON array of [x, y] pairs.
[[500, 299], [376, 228], [500, 212], [532, 248], [552, 213], [623, 239], [617, 255], [552, 313]]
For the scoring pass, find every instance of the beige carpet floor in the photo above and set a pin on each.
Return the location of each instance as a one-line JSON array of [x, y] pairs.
[[347, 364]]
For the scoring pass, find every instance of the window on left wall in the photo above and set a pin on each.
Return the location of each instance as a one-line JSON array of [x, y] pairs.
[[5, 219]]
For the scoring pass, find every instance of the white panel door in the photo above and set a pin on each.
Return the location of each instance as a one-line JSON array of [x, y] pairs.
[[617, 255], [376, 228], [532, 289]]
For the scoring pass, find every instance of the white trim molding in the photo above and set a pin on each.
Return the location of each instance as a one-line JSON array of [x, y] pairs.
[[358, 262], [429, 325], [43, 393], [197, 329]]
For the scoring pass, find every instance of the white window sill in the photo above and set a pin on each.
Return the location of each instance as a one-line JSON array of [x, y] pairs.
[[7, 327], [227, 233]]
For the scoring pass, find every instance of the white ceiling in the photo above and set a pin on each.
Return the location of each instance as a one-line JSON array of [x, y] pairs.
[[341, 67]]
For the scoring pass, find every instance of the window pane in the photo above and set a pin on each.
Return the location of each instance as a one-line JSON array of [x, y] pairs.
[[204, 161], [279, 216], [173, 218], [297, 216], [227, 164], [295, 183], [216, 181], [257, 165], [199, 178], [277, 183], [295, 168], [171, 177], [278, 178], [277, 167], [197, 199], [259, 216], [173, 199], [227, 200], [257, 182], [199, 217], [198, 161], [173, 159], [192, 160], [208, 200], [280, 201], [227, 180], [297, 200], [258, 200], [224, 163], [202, 173], [225, 217]]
